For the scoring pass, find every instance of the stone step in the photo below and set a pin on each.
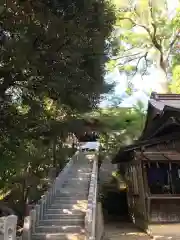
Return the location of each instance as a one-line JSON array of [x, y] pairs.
[[67, 205], [64, 216], [76, 184], [62, 222], [82, 187], [80, 175], [80, 178], [79, 169], [65, 211], [67, 193], [79, 172], [72, 191], [82, 168], [71, 196], [69, 200], [73, 185], [80, 190], [58, 236], [60, 229]]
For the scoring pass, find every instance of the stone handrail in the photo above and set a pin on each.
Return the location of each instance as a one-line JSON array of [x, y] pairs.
[[37, 213], [8, 227], [8, 224], [90, 218]]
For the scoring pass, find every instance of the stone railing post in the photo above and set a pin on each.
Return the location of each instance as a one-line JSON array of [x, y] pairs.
[[8, 227], [37, 209], [29, 225], [42, 206]]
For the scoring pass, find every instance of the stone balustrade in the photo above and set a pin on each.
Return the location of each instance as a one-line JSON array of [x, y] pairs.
[[39, 210], [8, 224], [93, 219], [90, 218], [8, 227]]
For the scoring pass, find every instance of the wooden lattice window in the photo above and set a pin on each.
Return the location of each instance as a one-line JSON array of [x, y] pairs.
[[163, 178]]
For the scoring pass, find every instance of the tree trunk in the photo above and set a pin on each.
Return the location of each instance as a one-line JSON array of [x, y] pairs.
[[25, 200], [162, 85], [54, 143]]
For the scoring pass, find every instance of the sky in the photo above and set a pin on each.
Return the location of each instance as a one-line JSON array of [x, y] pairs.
[[142, 86]]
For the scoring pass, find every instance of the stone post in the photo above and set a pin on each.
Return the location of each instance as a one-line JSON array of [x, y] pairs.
[[8, 227], [29, 225], [42, 206], [37, 208]]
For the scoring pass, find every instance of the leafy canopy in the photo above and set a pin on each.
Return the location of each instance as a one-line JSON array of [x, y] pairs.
[[145, 33], [51, 70]]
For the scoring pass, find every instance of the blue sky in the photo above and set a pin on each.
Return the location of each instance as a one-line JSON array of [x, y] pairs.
[[141, 87]]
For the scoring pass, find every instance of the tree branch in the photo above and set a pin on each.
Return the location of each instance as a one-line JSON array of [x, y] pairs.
[[145, 70], [152, 36], [138, 25], [136, 69], [135, 58], [129, 60], [152, 18], [131, 55]]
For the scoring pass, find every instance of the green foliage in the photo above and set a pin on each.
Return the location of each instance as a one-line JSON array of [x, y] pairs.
[[146, 34], [52, 69], [120, 126], [175, 83]]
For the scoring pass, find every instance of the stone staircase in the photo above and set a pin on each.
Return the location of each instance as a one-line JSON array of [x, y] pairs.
[[68, 210], [64, 218]]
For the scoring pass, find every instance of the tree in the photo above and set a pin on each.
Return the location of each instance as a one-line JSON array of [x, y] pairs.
[[51, 71], [119, 126], [54, 56], [145, 34]]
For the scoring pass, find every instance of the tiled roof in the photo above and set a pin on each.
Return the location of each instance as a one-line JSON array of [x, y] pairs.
[[163, 120], [159, 101], [159, 156], [161, 144], [157, 104], [162, 108], [165, 97]]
